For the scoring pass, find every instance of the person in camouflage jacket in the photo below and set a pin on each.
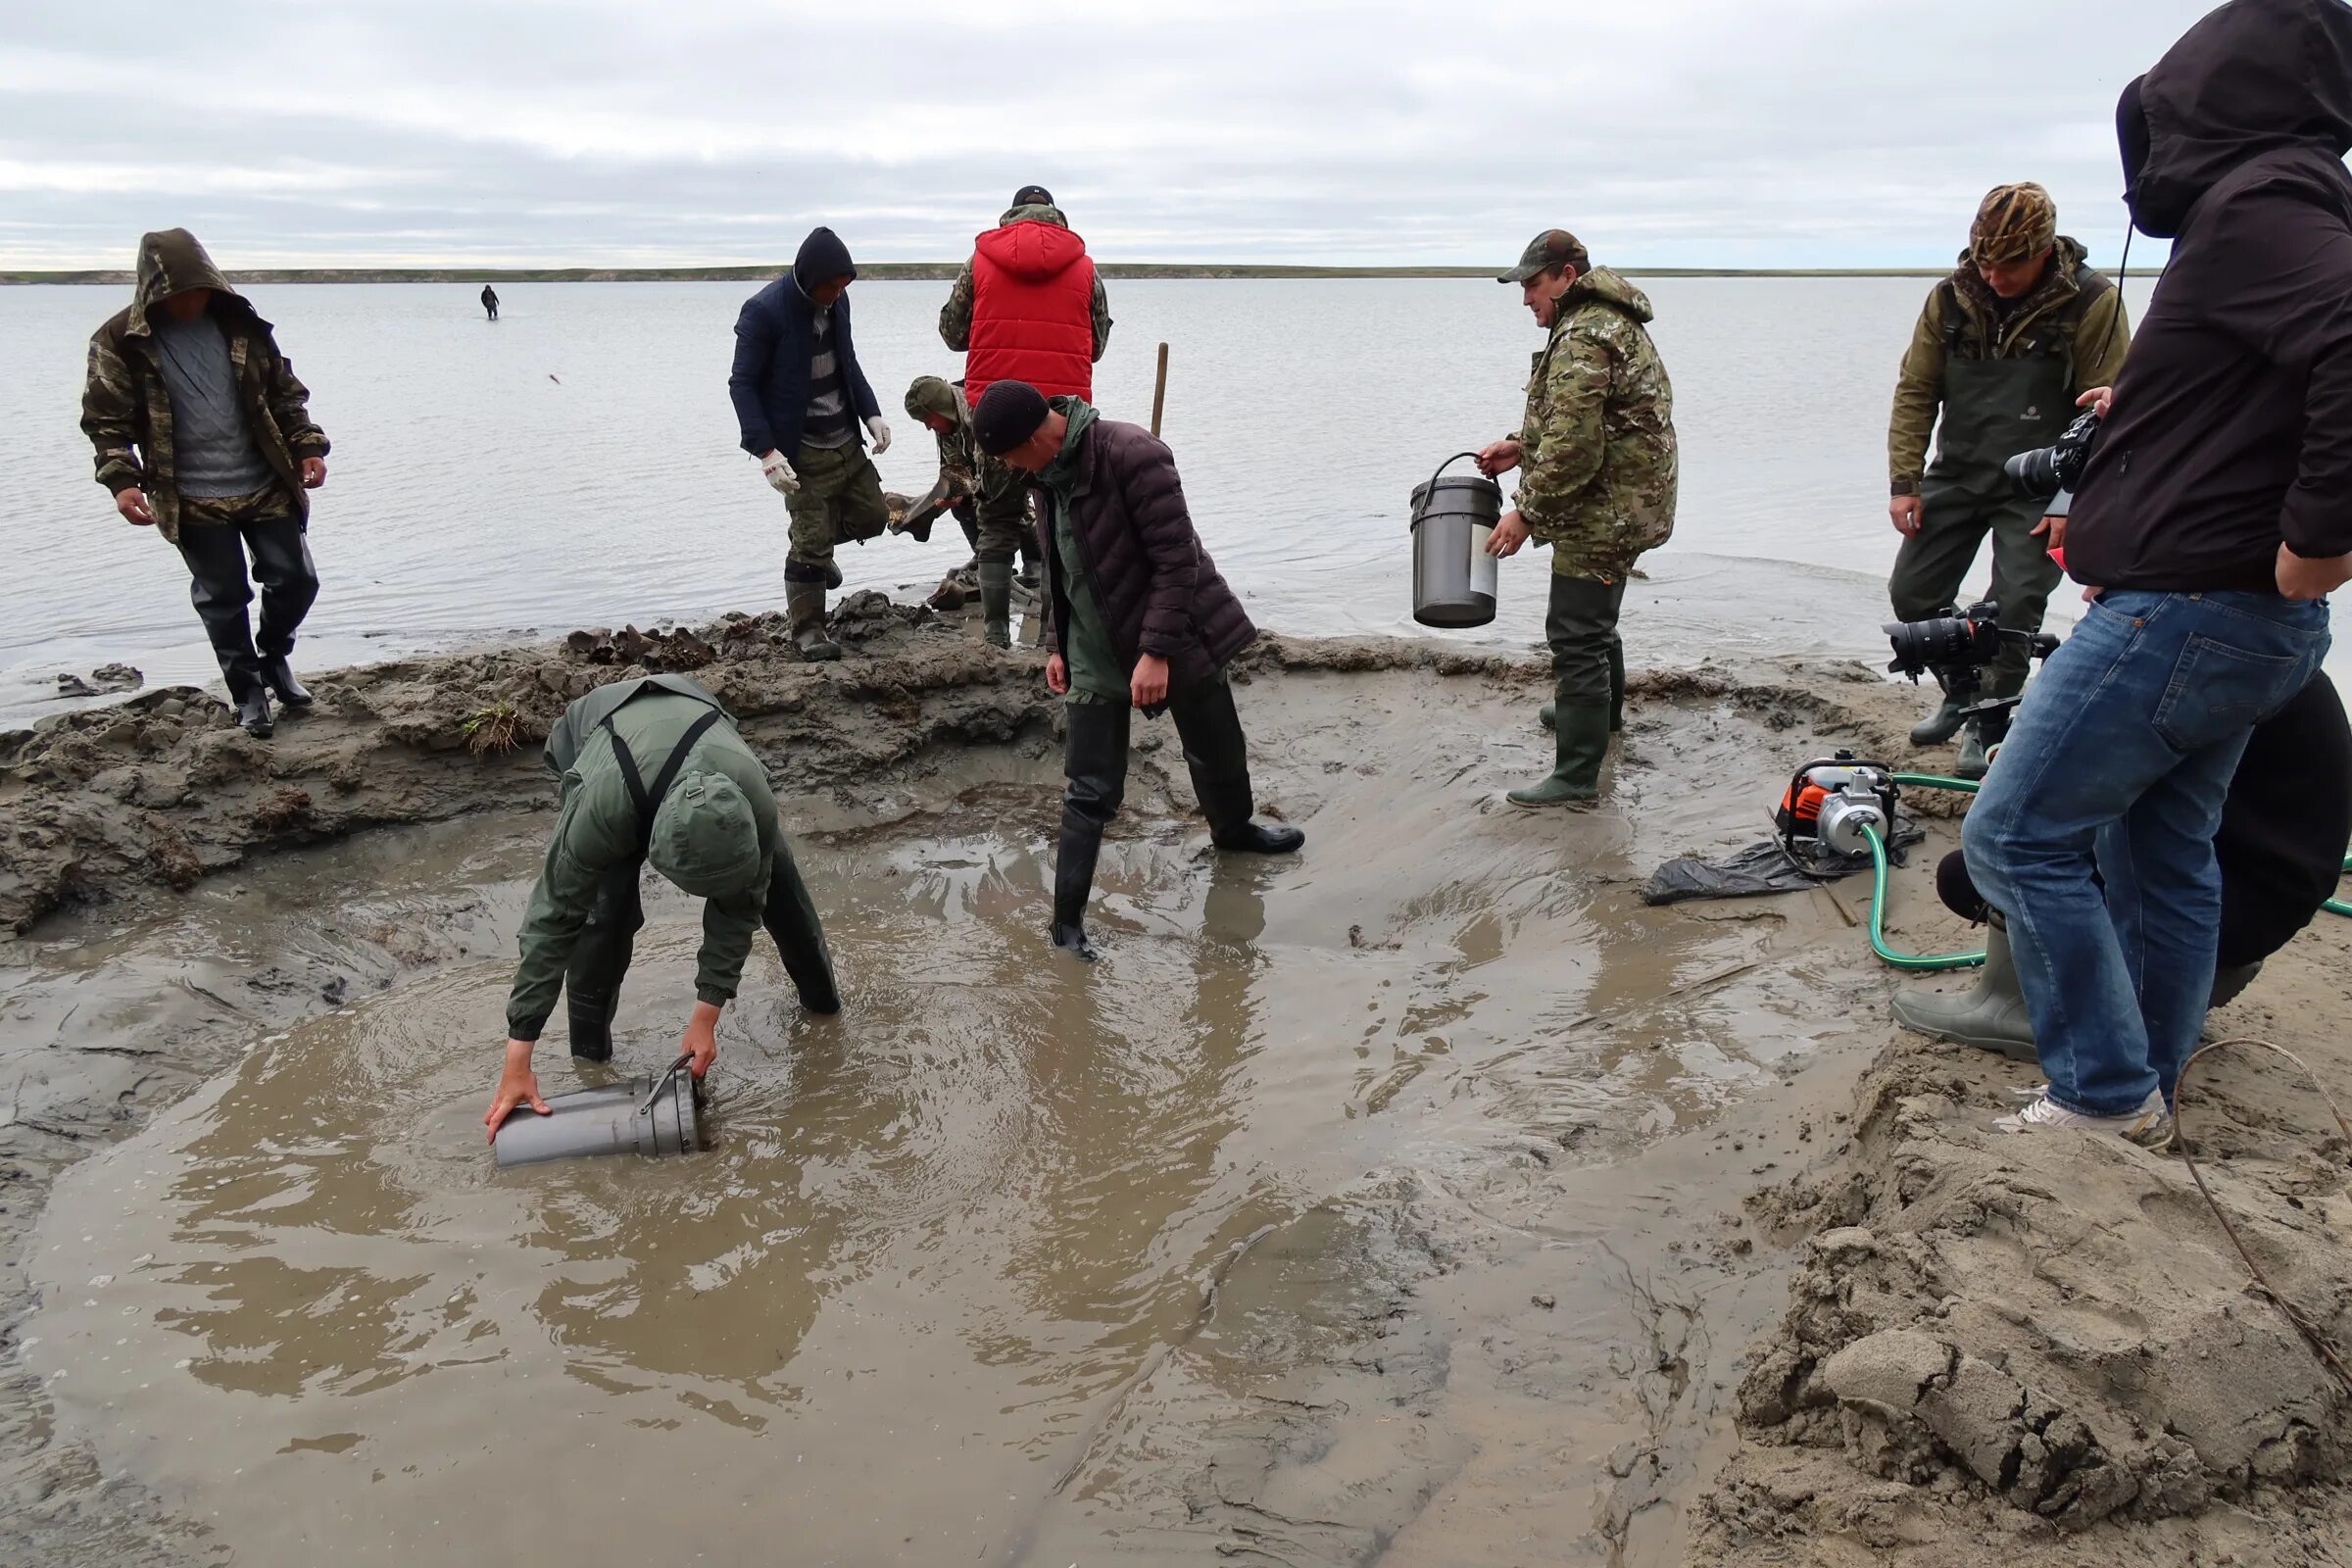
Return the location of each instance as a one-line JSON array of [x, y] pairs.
[[201, 431], [1597, 463], [1000, 496], [1031, 205]]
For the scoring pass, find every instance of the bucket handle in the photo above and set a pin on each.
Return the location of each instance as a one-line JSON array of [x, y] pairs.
[[645, 1106], [1429, 492]]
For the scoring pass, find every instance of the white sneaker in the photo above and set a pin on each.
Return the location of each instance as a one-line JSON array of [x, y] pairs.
[[2150, 1126]]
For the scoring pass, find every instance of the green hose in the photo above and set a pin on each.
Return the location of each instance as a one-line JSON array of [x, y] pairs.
[[2339, 906], [1936, 781], [1878, 916]]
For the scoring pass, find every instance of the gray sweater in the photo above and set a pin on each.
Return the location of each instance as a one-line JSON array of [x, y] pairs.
[[212, 451]]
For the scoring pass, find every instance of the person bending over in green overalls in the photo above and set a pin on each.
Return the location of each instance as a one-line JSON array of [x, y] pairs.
[[653, 771], [2003, 349]]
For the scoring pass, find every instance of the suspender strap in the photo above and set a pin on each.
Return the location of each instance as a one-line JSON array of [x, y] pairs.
[[650, 800]]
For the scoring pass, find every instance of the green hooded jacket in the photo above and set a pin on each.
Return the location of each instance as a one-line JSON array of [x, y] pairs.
[[2073, 311], [1598, 467], [126, 408], [955, 317], [598, 829]]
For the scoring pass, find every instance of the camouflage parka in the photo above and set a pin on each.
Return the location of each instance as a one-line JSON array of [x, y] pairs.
[[126, 408], [1598, 465]]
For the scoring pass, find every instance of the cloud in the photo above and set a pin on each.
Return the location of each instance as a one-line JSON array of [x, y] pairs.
[[1689, 132]]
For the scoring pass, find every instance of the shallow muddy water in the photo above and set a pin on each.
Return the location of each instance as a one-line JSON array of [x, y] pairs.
[[1006, 1264]]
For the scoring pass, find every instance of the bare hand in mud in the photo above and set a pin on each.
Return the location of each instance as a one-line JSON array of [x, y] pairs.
[[1500, 456], [1150, 687], [1058, 675], [701, 1038], [518, 1085], [1904, 509], [2101, 398], [1508, 535], [314, 472], [133, 504]]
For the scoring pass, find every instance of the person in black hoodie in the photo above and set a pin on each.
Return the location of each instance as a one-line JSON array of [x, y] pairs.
[[2214, 515], [800, 396]]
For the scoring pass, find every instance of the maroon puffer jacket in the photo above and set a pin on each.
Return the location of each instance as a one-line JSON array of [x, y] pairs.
[[1160, 592]]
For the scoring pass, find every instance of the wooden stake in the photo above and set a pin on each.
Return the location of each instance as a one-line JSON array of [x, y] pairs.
[[1159, 390]]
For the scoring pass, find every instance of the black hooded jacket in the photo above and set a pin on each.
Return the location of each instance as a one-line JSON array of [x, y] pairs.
[[2232, 431], [775, 336]]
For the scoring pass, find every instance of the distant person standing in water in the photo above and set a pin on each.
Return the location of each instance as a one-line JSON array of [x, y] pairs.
[[2003, 347], [1028, 307], [490, 301], [203, 433], [799, 397], [1598, 474]]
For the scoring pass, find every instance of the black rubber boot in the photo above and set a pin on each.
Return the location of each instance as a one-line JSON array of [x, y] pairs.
[[1093, 756], [995, 602], [791, 919], [591, 1024], [1580, 744], [253, 712], [1218, 755], [805, 616], [279, 676]]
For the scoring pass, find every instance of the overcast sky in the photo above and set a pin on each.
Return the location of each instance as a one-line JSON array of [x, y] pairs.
[[626, 132]]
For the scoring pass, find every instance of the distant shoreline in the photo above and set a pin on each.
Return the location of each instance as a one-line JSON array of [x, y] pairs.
[[887, 272]]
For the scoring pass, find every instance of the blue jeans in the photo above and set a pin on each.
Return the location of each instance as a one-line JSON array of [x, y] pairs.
[[2118, 764]]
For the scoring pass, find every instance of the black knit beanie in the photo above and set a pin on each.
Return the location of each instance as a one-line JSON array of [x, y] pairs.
[[1033, 196], [1008, 414]]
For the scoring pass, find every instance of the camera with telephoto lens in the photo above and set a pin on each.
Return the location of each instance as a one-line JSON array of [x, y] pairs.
[[1958, 639], [2046, 470]]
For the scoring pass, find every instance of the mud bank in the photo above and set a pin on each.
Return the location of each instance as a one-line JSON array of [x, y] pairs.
[[1378, 1205]]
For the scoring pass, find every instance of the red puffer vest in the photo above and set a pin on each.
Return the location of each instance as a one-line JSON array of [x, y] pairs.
[[1033, 294]]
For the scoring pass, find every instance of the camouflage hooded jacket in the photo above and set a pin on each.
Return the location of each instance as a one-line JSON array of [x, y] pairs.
[[1598, 465], [955, 317], [126, 408]]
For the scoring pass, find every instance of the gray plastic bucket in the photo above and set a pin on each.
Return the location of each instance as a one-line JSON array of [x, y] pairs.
[[1454, 577], [649, 1116]]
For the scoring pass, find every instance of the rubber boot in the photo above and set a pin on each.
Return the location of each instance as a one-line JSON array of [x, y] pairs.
[[1971, 762], [805, 616], [253, 712], [2229, 983], [1095, 761], [1217, 753], [1991, 1017], [789, 916], [832, 576], [1939, 727], [1580, 744], [591, 1024], [995, 602], [1550, 714], [279, 676]]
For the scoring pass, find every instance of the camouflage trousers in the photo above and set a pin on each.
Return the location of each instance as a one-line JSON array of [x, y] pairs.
[[1005, 528], [840, 499]]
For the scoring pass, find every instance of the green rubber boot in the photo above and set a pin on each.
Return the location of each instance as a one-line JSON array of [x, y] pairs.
[[1991, 1017], [1972, 763], [995, 602], [1580, 744], [1939, 727], [1616, 687], [804, 620]]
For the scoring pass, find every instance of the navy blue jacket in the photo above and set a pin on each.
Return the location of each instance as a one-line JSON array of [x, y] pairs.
[[775, 337]]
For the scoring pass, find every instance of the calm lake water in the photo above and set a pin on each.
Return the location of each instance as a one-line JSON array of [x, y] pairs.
[[576, 463]]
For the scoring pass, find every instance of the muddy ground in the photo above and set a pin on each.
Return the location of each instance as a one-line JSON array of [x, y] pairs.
[[1425, 1200]]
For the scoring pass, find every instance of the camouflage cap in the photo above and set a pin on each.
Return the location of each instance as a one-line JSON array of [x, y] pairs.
[[2014, 222], [1548, 250], [930, 395]]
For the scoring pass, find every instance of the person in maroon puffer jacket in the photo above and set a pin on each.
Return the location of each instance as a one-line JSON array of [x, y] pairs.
[[1136, 616]]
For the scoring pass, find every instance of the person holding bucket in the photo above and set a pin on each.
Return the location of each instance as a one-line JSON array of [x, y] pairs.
[[1596, 457], [653, 772]]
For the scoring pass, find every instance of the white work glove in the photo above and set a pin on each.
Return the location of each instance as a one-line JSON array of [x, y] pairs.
[[779, 473], [879, 429]]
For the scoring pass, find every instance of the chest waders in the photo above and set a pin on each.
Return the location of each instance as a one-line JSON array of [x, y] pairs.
[[1992, 407], [600, 957]]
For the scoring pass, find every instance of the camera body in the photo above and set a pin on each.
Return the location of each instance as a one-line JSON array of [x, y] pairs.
[[2044, 472]]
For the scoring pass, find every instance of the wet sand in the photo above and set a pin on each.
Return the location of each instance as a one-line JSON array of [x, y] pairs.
[[1423, 1200]]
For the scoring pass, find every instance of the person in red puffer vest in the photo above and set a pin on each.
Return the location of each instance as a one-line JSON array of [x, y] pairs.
[[1027, 307]]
